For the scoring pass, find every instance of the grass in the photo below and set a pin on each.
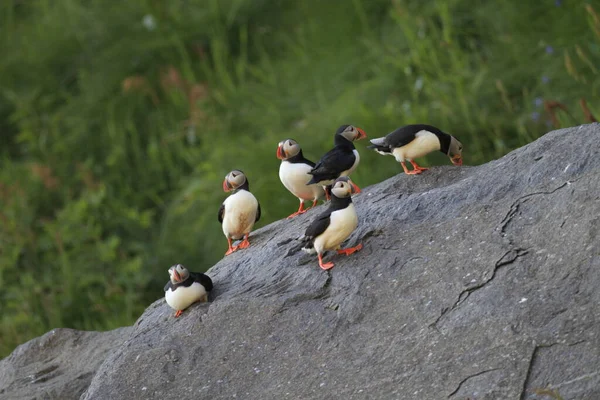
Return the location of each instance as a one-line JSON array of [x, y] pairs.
[[119, 123]]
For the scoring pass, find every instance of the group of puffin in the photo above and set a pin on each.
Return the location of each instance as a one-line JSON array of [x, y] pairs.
[[308, 181]]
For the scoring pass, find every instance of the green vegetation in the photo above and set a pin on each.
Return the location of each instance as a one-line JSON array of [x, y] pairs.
[[119, 120]]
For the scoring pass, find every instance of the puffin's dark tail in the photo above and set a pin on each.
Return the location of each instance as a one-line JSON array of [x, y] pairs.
[[304, 244], [314, 179], [308, 247], [380, 149]]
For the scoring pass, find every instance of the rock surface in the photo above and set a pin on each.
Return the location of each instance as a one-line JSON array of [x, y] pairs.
[[474, 282], [58, 365]]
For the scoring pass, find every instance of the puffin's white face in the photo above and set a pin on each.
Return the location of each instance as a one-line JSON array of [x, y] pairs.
[[455, 151], [344, 187], [353, 133], [234, 180], [287, 149], [178, 273]]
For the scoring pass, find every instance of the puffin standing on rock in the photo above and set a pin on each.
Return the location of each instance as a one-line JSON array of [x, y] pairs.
[[185, 288], [341, 160], [414, 141], [294, 174], [331, 228], [239, 211]]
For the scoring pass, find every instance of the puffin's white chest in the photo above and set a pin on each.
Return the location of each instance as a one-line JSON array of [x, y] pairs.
[[183, 297], [353, 167], [341, 224], [294, 177], [424, 143], [240, 214]]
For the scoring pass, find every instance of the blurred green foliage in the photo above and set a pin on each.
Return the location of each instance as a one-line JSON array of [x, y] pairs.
[[119, 120]]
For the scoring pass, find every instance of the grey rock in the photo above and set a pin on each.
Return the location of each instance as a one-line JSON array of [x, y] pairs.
[[474, 282], [57, 365]]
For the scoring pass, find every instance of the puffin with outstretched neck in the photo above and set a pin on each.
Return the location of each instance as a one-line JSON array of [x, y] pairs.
[[339, 161], [331, 228], [414, 141], [239, 211], [294, 174], [185, 288]]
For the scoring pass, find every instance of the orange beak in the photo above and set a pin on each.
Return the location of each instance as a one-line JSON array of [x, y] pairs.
[[355, 189], [456, 160], [177, 276], [361, 134], [226, 185], [280, 152]]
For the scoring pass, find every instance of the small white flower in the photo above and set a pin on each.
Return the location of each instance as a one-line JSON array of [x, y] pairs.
[[419, 84], [149, 22]]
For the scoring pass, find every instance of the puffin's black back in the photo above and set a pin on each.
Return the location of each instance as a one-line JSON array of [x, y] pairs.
[[334, 162]]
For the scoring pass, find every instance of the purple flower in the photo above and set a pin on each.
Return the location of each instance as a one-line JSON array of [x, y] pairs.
[[538, 101], [557, 3], [545, 79], [549, 49], [535, 116]]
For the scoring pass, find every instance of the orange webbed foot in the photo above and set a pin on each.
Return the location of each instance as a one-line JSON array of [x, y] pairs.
[[325, 266], [417, 168], [350, 250], [178, 313], [244, 245], [231, 250], [296, 214]]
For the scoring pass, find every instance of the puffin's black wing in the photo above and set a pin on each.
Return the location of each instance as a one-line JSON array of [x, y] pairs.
[[167, 286], [318, 226], [221, 212], [406, 134], [257, 213], [401, 136], [332, 164], [203, 279]]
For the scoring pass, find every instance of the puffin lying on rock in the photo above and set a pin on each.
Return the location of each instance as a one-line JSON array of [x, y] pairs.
[[185, 288], [239, 211], [414, 141], [331, 228], [294, 174], [339, 161]]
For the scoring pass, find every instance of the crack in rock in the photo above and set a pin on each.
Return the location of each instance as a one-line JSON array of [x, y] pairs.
[[518, 252], [533, 358], [469, 377], [507, 258], [514, 208]]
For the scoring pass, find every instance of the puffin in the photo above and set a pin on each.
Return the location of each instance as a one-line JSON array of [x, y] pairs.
[[293, 173], [185, 288], [339, 161], [332, 227], [413, 141], [239, 211]]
